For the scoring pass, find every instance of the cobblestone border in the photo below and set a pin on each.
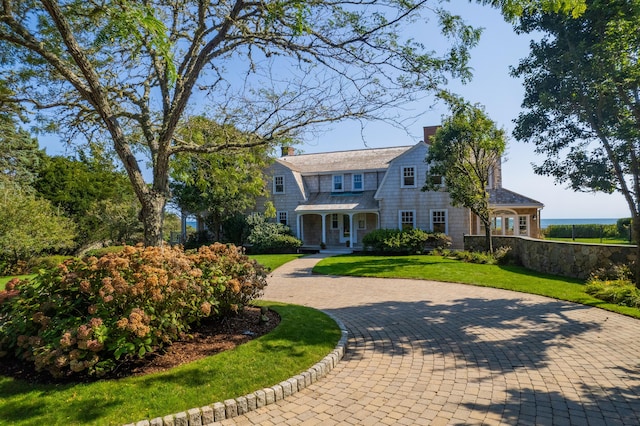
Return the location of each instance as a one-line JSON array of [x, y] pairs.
[[231, 408]]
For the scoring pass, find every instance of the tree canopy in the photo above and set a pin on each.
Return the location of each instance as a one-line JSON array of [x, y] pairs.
[[220, 185], [582, 99], [30, 226], [92, 192], [128, 71], [465, 152]]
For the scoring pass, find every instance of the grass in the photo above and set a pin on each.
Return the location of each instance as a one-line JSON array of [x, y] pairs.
[[272, 261], [437, 268], [5, 280], [303, 338], [621, 241]]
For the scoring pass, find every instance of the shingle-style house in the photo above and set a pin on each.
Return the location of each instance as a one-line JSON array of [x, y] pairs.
[[338, 197]]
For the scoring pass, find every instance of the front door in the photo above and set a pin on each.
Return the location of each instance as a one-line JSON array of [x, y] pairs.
[[345, 232]]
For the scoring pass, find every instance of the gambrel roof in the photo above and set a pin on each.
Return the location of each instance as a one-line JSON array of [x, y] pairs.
[[340, 161]]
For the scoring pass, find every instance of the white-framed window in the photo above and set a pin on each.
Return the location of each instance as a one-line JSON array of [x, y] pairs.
[[334, 221], [436, 180], [408, 178], [278, 184], [407, 219], [523, 225], [357, 183], [439, 221], [338, 184], [362, 222], [283, 218]]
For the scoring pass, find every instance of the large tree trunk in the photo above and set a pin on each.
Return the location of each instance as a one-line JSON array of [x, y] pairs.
[[487, 234], [152, 216]]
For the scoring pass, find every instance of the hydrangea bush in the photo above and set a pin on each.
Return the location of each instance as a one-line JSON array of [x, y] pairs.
[[87, 316]]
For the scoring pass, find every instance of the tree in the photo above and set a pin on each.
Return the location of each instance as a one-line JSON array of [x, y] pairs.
[[91, 192], [582, 100], [20, 154], [130, 70], [217, 186], [464, 153], [30, 226]]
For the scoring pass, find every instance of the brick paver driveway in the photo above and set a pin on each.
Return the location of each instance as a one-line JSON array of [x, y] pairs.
[[435, 353]]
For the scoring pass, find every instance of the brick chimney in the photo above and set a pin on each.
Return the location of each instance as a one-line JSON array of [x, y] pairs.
[[428, 132], [287, 151]]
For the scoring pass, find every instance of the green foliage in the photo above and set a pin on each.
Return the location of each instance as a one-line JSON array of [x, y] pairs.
[[92, 192], [270, 237], [402, 242], [499, 257], [582, 231], [30, 226], [217, 186], [512, 9], [624, 226], [46, 262], [620, 291], [581, 81], [303, 337], [99, 252], [87, 316], [465, 151]]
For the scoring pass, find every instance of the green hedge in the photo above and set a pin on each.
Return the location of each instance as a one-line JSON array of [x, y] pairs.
[[581, 231], [403, 242]]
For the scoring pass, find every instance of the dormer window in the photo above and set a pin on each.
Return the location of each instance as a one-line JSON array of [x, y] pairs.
[[357, 183], [278, 184], [408, 177], [338, 185]]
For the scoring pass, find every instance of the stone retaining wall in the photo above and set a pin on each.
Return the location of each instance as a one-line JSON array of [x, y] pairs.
[[567, 259]]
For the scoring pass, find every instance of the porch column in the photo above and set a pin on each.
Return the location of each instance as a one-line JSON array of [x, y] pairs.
[[299, 227], [324, 229], [351, 231], [183, 226]]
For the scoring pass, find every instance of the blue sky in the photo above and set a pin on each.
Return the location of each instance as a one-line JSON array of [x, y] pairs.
[[501, 94]]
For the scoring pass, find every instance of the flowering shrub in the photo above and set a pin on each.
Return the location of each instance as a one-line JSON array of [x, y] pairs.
[[86, 316]]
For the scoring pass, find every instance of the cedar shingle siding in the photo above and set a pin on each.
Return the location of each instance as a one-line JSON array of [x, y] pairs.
[[309, 197]]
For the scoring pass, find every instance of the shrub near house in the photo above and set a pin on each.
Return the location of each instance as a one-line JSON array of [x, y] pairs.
[[87, 316], [400, 242]]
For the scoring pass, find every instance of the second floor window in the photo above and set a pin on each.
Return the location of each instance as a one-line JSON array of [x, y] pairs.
[[337, 183], [357, 183], [408, 177], [278, 184]]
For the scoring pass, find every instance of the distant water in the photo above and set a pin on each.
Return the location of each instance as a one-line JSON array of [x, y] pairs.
[[546, 222]]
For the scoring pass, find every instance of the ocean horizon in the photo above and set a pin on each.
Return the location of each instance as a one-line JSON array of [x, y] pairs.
[[577, 221]]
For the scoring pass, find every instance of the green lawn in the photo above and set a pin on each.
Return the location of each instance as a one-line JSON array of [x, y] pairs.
[[303, 338], [622, 241], [5, 280], [437, 268], [272, 261]]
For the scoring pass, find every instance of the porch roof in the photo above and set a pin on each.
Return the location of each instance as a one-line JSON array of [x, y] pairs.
[[501, 197], [339, 201]]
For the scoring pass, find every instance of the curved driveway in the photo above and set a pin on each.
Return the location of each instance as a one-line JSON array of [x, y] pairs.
[[422, 352]]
